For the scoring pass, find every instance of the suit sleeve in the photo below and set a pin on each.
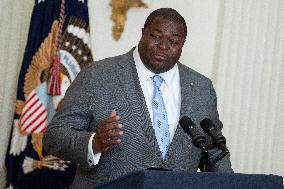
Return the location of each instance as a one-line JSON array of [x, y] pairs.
[[225, 164], [67, 135]]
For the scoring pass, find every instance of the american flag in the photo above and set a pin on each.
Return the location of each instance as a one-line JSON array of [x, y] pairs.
[[34, 116]]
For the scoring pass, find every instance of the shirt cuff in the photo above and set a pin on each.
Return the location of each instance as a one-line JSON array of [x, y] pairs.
[[93, 159]]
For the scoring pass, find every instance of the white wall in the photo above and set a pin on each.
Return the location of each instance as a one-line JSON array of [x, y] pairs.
[[249, 83], [201, 18]]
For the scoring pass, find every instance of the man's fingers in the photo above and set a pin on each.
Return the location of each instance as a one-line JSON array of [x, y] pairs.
[[112, 113], [112, 117], [110, 141], [112, 137], [108, 132], [110, 126], [111, 134], [114, 133]]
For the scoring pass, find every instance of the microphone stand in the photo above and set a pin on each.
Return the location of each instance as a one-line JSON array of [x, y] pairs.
[[207, 162], [220, 156]]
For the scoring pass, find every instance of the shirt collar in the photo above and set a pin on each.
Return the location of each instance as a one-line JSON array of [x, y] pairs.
[[144, 73]]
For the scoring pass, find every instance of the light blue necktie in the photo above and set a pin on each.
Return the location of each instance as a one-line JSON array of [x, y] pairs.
[[160, 116]]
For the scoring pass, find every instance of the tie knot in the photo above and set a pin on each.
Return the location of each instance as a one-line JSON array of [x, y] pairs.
[[157, 81]]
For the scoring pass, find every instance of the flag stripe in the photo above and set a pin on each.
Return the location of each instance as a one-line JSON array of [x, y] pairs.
[[32, 119], [32, 111], [27, 103], [40, 126], [30, 96], [34, 123], [27, 107]]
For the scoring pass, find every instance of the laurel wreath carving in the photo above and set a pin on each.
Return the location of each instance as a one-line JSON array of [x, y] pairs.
[[37, 144], [19, 107]]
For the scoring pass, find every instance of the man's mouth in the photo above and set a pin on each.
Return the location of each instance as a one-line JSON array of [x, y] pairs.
[[160, 56]]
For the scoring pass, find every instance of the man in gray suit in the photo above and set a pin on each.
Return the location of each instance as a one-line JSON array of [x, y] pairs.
[[116, 118]]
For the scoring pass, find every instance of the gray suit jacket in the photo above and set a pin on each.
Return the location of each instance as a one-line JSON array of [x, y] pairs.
[[113, 83]]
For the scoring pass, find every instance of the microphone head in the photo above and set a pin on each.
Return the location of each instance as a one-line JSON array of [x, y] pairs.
[[209, 128], [185, 122], [189, 127], [206, 124]]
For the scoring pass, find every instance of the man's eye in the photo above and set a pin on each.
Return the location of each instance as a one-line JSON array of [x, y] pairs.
[[174, 42], [155, 36]]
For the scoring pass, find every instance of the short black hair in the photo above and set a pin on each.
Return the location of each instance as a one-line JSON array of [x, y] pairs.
[[168, 14]]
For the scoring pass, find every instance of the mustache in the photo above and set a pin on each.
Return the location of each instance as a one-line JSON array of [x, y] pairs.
[[164, 55]]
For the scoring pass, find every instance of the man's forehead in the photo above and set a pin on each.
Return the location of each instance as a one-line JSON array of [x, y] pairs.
[[161, 25], [172, 31], [162, 20]]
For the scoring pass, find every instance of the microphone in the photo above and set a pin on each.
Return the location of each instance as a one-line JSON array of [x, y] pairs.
[[218, 139], [189, 127]]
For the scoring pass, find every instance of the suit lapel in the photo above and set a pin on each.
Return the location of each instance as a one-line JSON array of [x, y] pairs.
[[189, 92], [131, 89]]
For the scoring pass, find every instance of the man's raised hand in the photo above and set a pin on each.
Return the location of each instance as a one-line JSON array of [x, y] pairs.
[[108, 133]]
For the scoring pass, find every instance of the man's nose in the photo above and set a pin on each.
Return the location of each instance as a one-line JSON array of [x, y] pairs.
[[163, 44]]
